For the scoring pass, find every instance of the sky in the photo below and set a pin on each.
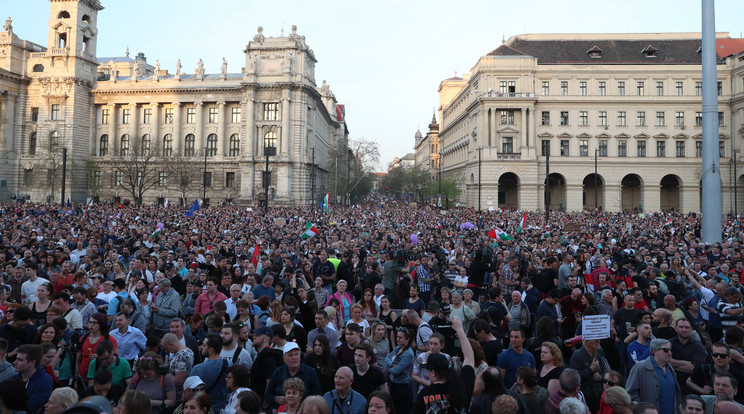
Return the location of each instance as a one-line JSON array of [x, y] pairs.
[[384, 59]]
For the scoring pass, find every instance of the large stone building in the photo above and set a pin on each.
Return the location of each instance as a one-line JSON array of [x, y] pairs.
[[129, 126], [426, 148], [628, 105]]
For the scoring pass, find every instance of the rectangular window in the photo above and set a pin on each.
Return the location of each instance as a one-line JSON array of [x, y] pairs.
[[502, 87], [162, 182], [117, 178], [621, 118], [680, 149], [584, 148], [545, 118], [641, 149], [564, 87], [34, 114], [659, 88], [146, 115], [602, 148], [640, 88], [564, 148], [207, 178], [546, 88], [583, 118], [512, 88], [621, 88], [190, 115], [212, 115], [698, 88], [720, 119], [564, 118], [168, 115], [97, 178], [622, 148], [507, 145], [698, 119], [719, 88], [660, 149], [698, 149], [660, 119], [126, 115], [679, 119], [235, 119], [545, 147], [229, 179], [602, 88], [507, 117], [271, 111], [55, 112], [678, 87], [28, 177], [603, 118], [582, 88], [105, 115], [721, 149]]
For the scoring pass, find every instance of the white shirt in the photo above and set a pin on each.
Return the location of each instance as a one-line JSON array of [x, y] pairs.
[[74, 319], [244, 357], [232, 310], [28, 289]]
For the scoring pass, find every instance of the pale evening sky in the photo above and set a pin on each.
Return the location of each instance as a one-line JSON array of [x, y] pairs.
[[384, 59]]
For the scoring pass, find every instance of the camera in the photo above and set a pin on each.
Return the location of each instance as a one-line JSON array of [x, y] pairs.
[[446, 309]]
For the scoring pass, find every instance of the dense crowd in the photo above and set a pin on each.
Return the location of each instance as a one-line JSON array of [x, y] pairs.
[[384, 307]]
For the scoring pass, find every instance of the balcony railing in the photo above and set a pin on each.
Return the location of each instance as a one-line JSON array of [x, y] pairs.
[[508, 156]]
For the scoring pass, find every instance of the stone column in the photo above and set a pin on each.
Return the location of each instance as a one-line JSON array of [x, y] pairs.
[[221, 116], [134, 121], [248, 128], [201, 140], [482, 127], [651, 196], [113, 131], [7, 121], [157, 136], [177, 138], [690, 198], [523, 139], [284, 145]]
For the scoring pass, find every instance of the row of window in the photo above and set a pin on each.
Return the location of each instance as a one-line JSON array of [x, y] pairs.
[[622, 118], [189, 147], [118, 178], [622, 148], [640, 88], [270, 112]]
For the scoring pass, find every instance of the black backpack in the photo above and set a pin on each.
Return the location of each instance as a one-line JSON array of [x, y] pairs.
[[676, 289]]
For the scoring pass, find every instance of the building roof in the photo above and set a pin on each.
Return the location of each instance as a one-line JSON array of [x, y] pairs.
[[116, 59], [618, 51]]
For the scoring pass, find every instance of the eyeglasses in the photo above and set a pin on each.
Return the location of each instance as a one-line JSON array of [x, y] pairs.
[[665, 349], [718, 355], [199, 388], [608, 382]]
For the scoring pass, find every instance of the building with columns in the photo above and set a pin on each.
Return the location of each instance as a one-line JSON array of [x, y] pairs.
[[112, 113], [613, 121]]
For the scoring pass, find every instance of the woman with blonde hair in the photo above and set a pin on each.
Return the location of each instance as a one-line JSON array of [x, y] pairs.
[[551, 358], [381, 344], [618, 400], [133, 402], [275, 315], [314, 404], [60, 399]]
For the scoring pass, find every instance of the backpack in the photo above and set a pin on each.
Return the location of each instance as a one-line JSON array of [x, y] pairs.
[[677, 289]]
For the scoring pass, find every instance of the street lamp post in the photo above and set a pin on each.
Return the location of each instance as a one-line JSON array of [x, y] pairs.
[[269, 151], [547, 187], [480, 151], [736, 182], [64, 173], [596, 156], [204, 178]]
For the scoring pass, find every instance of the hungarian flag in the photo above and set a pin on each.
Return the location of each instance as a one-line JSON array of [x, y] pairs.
[[324, 204], [669, 222], [256, 254], [522, 223], [497, 233], [310, 231], [158, 230]]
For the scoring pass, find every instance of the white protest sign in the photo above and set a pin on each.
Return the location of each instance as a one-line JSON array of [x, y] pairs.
[[595, 327]]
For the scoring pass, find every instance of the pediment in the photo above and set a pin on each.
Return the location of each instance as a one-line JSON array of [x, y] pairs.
[[723, 136], [681, 136], [507, 130], [698, 136], [604, 135], [545, 135], [641, 136], [565, 135], [661, 136], [583, 135]]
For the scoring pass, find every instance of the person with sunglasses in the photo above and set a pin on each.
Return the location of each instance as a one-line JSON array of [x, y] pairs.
[[653, 380], [610, 379], [701, 380]]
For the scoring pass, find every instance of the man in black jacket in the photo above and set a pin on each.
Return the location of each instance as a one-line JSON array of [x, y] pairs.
[[478, 269]]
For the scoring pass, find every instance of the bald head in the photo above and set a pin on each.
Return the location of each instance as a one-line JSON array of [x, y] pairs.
[[346, 371], [168, 339], [727, 407]]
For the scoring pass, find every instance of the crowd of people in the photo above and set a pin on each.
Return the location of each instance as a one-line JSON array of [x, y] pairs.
[[383, 307]]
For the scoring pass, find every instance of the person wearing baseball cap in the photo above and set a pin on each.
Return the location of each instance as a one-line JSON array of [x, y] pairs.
[[267, 360], [293, 368], [191, 386]]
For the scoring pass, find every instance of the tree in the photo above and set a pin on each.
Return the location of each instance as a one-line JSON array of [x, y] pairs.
[[51, 160], [418, 183], [182, 171], [93, 178], [350, 167], [134, 165], [394, 182], [450, 192]]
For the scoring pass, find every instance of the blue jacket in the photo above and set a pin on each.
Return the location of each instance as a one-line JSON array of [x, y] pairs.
[[276, 384], [38, 390], [399, 366], [355, 403]]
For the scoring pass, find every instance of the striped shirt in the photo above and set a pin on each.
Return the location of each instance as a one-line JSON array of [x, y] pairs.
[[728, 321]]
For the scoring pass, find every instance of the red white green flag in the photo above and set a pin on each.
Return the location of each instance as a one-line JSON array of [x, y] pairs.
[[310, 231], [522, 223]]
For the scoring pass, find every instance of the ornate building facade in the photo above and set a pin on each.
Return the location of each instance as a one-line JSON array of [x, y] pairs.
[[129, 126], [613, 121]]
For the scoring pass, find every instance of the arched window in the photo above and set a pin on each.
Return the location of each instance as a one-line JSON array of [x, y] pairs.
[[124, 145], [63, 15], [167, 145], [146, 145], [86, 18], [188, 148], [211, 145], [103, 145], [234, 145], [54, 141], [32, 144], [269, 143], [38, 68]]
